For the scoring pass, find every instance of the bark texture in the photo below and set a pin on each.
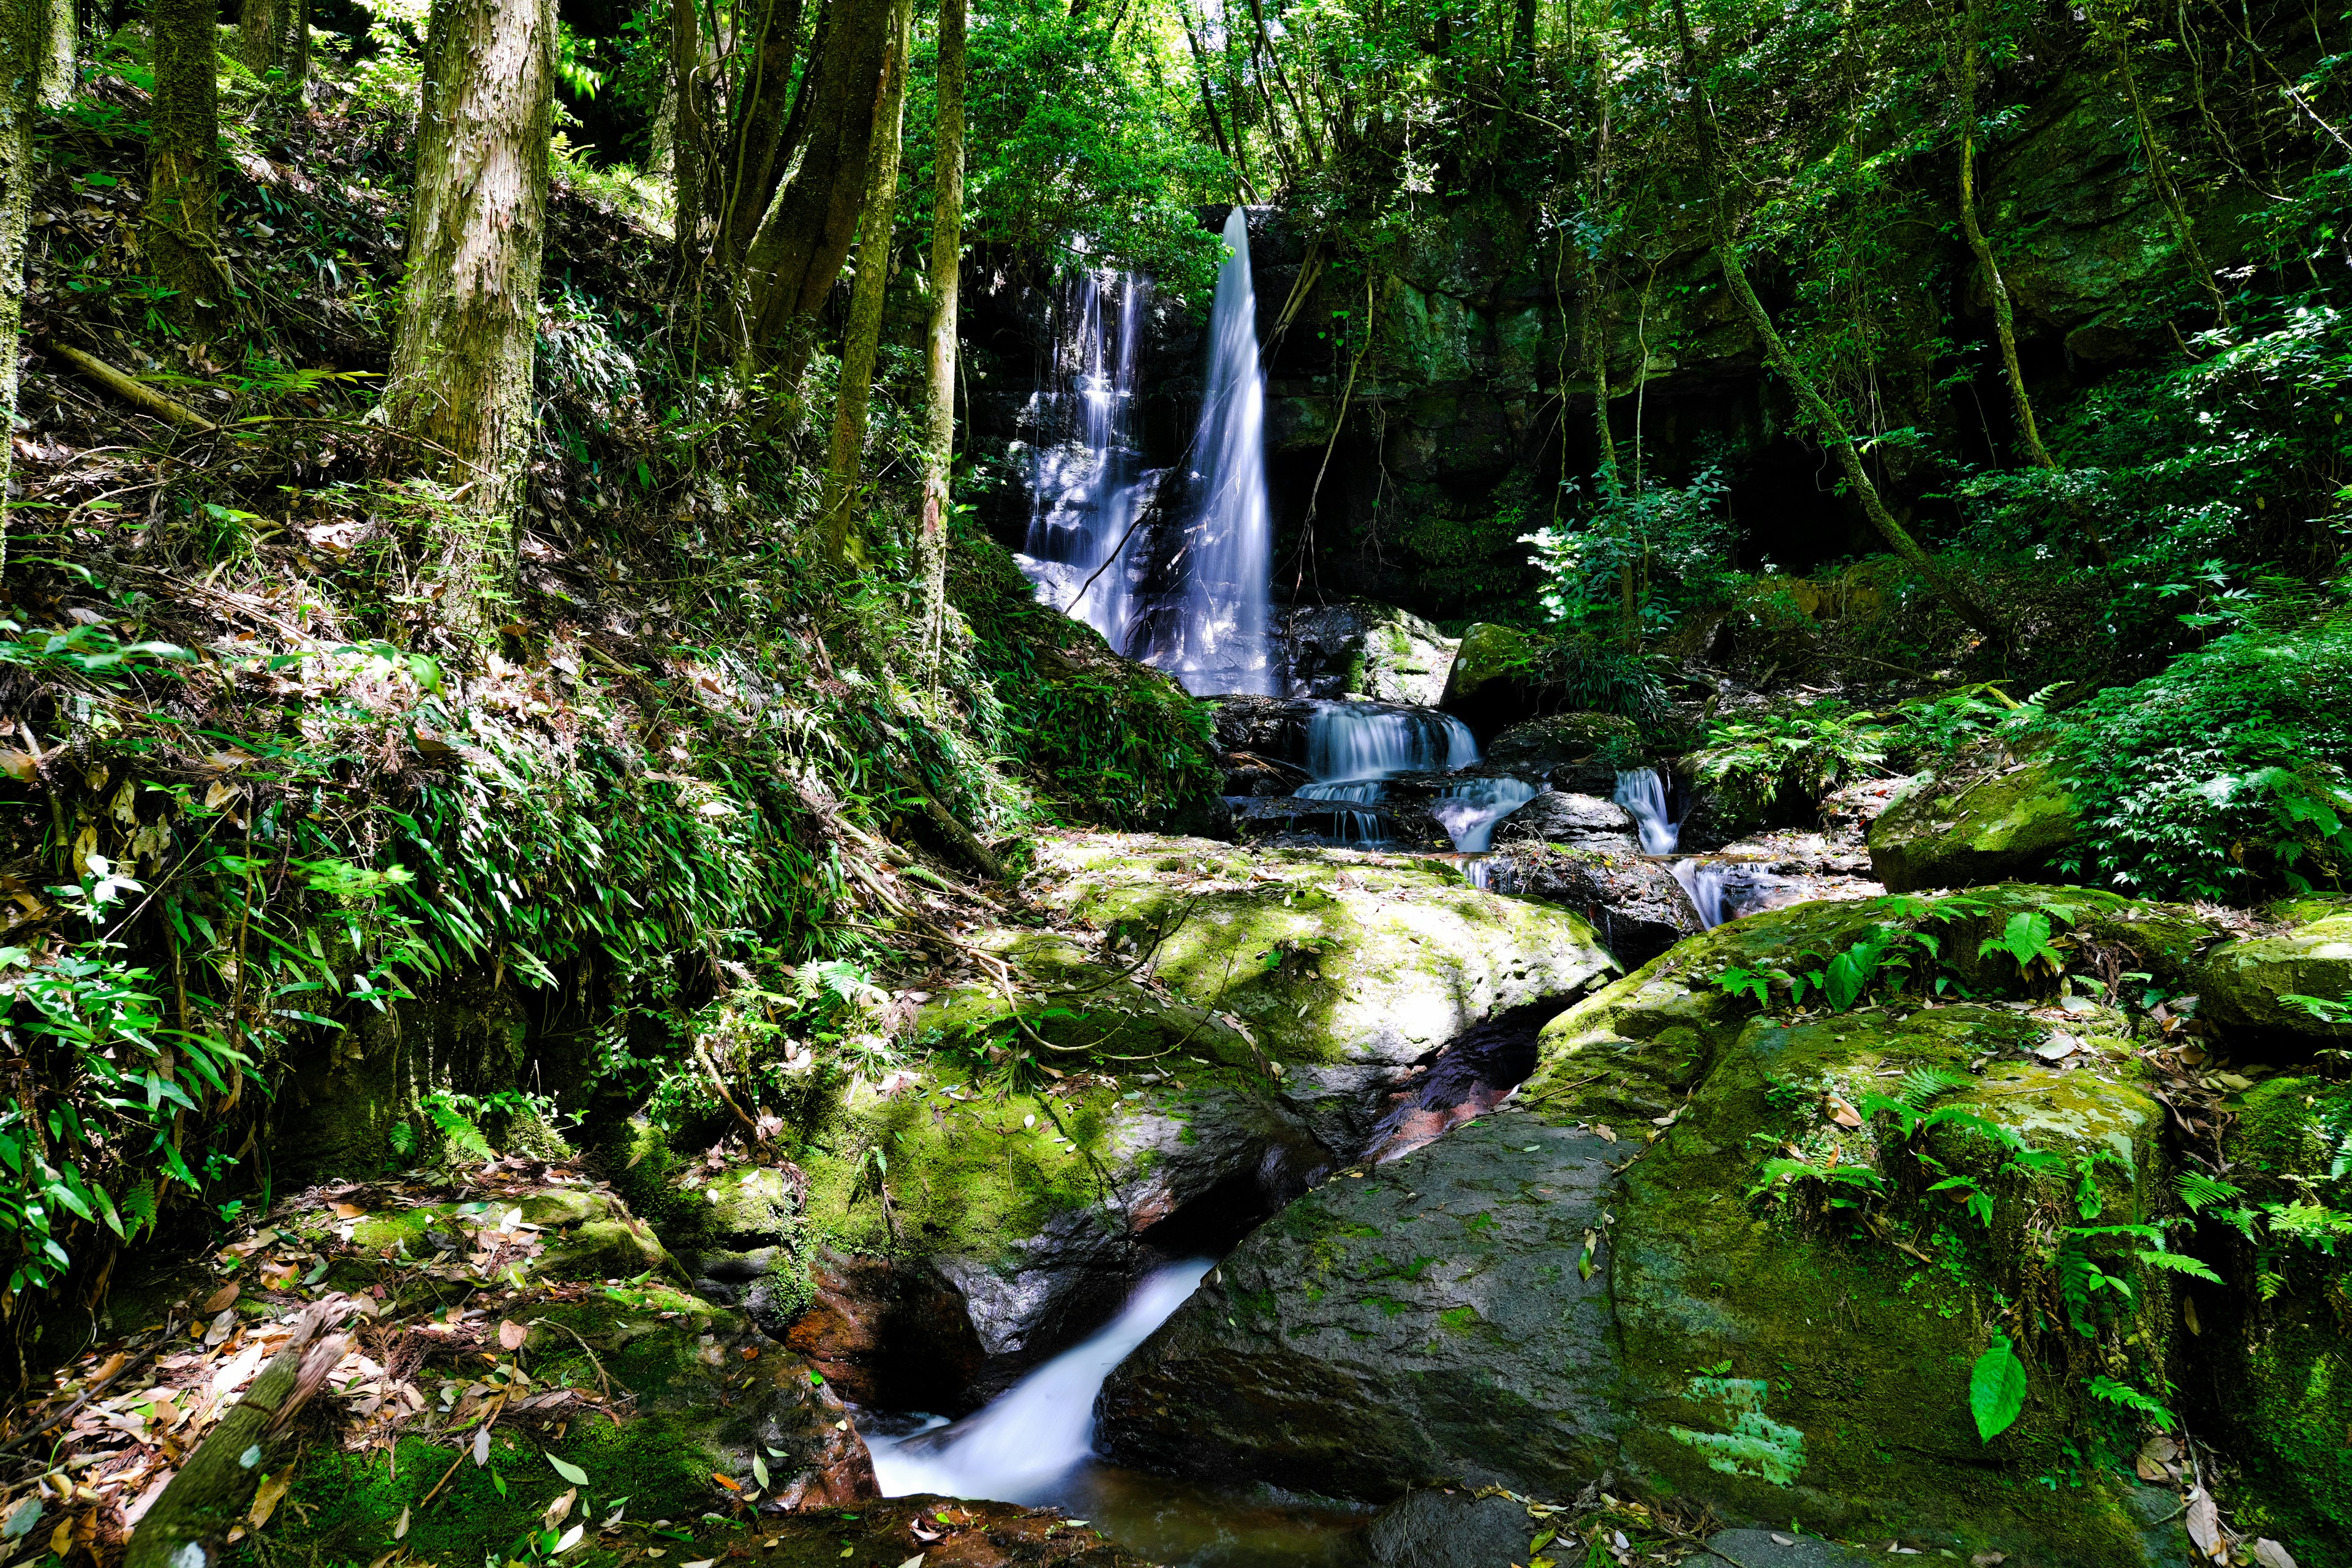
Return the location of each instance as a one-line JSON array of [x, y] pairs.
[[759, 141], [940, 358], [60, 30], [275, 35], [846, 457], [689, 89], [807, 233], [24, 34], [461, 365], [182, 212]]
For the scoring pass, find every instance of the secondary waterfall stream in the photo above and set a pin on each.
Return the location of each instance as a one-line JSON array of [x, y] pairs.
[[1084, 493], [1034, 1444], [1354, 748]]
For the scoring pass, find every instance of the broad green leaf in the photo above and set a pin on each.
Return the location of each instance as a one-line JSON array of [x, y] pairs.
[[1996, 1389]]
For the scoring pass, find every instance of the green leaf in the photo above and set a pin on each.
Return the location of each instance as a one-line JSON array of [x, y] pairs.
[[570, 1472], [1996, 1389], [2131, 1398]]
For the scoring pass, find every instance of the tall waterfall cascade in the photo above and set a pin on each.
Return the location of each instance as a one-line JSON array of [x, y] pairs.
[[1085, 490], [1220, 633]]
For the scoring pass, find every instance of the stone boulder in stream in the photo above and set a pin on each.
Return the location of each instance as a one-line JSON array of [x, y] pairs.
[[1650, 1272], [1978, 825], [1362, 648]]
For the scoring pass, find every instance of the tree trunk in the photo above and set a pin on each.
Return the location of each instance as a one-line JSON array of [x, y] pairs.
[[461, 365], [847, 454], [59, 55], [747, 181], [24, 35], [259, 32], [687, 138], [2160, 178], [181, 219], [1825, 419], [939, 358], [2004, 318], [807, 233]]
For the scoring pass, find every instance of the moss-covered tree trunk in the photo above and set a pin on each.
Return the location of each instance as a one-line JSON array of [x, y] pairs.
[[462, 361], [940, 359], [24, 37], [688, 134], [275, 35], [806, 235], [846, 459], [183, 157], [60, 53]]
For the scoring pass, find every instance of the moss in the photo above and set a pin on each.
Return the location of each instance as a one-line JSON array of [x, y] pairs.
[[2006, 823]]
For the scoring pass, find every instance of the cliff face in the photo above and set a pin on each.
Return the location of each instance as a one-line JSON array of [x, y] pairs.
[[1409, 464]]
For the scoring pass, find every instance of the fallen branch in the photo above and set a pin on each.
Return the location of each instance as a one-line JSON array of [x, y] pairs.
[[127, 389], [211, 1492], [962, 837]]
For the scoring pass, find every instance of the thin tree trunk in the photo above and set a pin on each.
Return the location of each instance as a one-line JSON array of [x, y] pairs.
[[59, 55], [259, 34], [740, 196], [939, 358], [25, 34], [461, 364], [180, 218], [686, 137], [1824, 418], [847, 454], [806, 235]]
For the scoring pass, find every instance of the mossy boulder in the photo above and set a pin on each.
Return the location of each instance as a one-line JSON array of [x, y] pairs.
[[1492, 684], [2244, 985], [1610, 1284], [1338, 968], [1964, 832], [1579, 753], [2279, 1382]]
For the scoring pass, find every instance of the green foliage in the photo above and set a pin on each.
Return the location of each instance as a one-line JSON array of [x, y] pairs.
[[2222, 775], [1753, 763], [2026, 939], [2133, 1400], [1996, 1389], [1647, 552]]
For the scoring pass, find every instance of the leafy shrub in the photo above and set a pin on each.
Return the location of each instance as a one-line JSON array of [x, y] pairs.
[[1664, 547], [1751, 763], [2222, 774]]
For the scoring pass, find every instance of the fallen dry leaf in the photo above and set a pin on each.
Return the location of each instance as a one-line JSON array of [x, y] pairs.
[[1839, 1112], [221, 1299], [511, 1334], [2204, 1524], [2271, 1554], [266, 1497], [350, 1211]]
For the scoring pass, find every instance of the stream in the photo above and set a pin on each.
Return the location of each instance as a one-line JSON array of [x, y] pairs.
[[1034, 1444]]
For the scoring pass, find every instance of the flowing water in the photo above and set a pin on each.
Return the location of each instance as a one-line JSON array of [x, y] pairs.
[[1085, 491], [1036, 1445], [1718, 892], [1642, 792], [1353, 749], [1229, 538]]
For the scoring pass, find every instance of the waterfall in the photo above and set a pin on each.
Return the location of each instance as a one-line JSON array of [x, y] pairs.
[[1354, 748], [1706, 884], [1642, 792], [1084, 490], [1042, 1428], [1228, 548]]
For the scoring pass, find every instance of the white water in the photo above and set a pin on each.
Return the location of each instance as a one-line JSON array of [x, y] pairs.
[[1042, 1428], [1642, 792], [1228, 547], [1353, 749], [1084, 493], [1705, 886]]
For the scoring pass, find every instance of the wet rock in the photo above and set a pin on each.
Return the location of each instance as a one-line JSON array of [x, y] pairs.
[[947, 1532], [1475, 1072], [1577, 752], [1632, 900], [1580, 821], [1967, 830], [888, 1334], [1777, 1549], [1423, 1323], [1433, 1529], [1362, 648], [2244, 985], [1273, 728]]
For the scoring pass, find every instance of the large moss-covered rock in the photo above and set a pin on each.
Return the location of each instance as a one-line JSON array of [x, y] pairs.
[[1574, 751], [2280, 1380], [1620, 1256], [2245, 984], [1341, 967], [1492, 684], [1988, 827]]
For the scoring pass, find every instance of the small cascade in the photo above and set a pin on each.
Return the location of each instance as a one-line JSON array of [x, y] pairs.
[[1642, 792], [1042, 1428], [1353, 748], [1469, 811], [1220, 632], [1706, 885], [1085, 489]]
